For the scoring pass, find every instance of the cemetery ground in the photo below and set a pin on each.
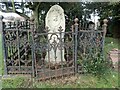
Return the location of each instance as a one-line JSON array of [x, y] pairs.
[[80, 81]]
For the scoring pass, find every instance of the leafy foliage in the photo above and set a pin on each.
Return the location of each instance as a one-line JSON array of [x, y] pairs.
[[40, 9], [109, 10], [97, 65]]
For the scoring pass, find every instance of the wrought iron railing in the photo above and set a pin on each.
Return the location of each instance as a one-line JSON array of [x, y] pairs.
[[25, 50]]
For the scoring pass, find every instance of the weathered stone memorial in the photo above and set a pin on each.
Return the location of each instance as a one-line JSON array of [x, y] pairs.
[[55, 19]]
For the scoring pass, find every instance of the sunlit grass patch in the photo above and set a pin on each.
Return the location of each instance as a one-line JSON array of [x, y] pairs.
[[16, 82], [111, 43]]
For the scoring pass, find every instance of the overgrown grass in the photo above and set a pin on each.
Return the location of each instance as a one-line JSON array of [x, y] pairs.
[[83, 81], [111, 43], [15, 82]]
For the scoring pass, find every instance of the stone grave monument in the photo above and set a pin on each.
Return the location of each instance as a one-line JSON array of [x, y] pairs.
[[54, 19]]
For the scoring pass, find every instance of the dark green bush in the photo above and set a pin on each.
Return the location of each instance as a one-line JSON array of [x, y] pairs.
[[96, 65]]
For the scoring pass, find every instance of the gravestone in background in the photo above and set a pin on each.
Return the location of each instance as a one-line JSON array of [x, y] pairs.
[[54, 19]]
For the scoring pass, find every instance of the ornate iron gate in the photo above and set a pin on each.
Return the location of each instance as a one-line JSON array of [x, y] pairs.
[[42, 46], [25, 49]]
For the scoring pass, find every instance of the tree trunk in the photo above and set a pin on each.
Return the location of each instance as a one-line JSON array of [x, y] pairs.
[[36, 15]]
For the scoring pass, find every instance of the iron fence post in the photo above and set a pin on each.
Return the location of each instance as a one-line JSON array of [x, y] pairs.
[[104, 28], [18, 43], [73, 37], [32, 47], [76, 34], [3, 45], [60, 32]]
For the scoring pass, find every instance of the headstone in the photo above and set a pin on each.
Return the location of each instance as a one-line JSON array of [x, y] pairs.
[[54, 19], [114, 56]]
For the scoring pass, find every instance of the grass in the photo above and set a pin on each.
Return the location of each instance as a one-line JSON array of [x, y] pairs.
[[111, 43], [15, 82], [83, 81]]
